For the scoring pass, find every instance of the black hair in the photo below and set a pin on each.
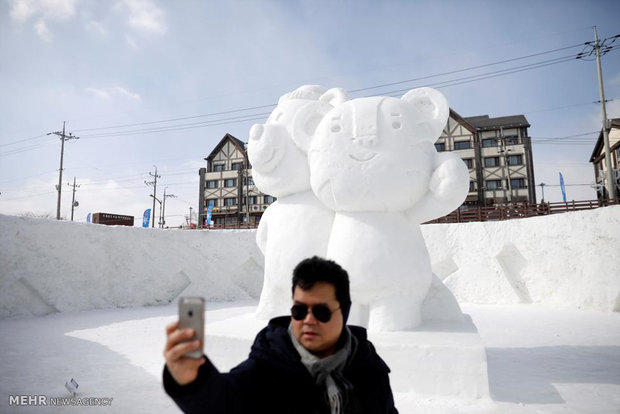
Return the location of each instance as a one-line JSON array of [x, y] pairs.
[[316, 269]]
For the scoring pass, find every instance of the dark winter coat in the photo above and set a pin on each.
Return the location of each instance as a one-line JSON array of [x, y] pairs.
[[274, 381]]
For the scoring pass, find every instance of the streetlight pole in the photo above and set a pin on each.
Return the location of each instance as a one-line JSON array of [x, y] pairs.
[[163, 214], [156, 199]]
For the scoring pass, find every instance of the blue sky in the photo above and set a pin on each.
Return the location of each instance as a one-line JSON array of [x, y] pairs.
[[100, 65]]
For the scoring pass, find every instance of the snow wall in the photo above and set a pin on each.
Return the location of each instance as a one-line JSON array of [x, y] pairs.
[[567, 260]]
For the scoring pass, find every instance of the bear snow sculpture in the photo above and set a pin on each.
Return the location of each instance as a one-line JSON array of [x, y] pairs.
[[297, 225], [373, 162]]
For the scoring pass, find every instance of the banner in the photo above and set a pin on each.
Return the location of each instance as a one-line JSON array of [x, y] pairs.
[[562, 188], [146, 219], [88, 218], [209, 213]]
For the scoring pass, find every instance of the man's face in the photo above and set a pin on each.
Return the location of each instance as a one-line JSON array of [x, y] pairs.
[[320, 338]]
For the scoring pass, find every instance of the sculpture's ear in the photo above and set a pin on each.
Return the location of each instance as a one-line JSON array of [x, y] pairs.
[[433, 106], [305, 122], [308, 92], [334, 96]]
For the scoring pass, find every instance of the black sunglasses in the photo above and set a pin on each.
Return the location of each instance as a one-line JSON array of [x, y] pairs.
[[321, 312]]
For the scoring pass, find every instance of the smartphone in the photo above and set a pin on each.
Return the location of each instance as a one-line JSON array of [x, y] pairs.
[[192, 315]]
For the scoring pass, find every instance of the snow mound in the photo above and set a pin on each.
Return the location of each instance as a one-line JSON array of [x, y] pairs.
[[54, 266], [566, 260]]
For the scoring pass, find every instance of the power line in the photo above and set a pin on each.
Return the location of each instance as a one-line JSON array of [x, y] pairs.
[[181, 118], [181, 126], [23, 140], [220, 121], [483, 76], [464, 69]]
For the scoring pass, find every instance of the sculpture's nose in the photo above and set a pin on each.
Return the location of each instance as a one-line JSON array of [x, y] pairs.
[[365, 140], [365, 125], [256, 131]]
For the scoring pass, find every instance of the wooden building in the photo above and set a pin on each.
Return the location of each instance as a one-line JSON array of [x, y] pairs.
[[598, 159], [226, 184]]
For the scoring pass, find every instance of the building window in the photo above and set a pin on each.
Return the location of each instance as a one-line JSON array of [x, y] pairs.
[[212, 201], [230, 182], [461, 145], [489, 142], [440, 146], [511, 140], [472, 186], [517, 183], [268, 199], [469, 162], [212, 184], [218, 167], [491, 162], [515, 159], [230, 201], [250, 200], [494, 184], [237, 166], [248, 181]]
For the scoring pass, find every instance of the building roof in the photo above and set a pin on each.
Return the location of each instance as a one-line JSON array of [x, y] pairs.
[[598, 147], [458, 118], [483, 122], [237, 142]]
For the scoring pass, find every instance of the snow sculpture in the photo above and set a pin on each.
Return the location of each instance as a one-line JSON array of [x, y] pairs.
[[373, 162], [297, 225]]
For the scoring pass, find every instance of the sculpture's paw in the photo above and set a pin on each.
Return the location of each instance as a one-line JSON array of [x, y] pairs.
[[450, 180]]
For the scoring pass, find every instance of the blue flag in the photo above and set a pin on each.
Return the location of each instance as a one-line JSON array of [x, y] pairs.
[[146, 219], [88, 218], [562, 188], [209, 213]]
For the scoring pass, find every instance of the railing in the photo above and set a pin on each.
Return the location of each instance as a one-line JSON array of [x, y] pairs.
[[251, 225], [518, 210], [466, 214]]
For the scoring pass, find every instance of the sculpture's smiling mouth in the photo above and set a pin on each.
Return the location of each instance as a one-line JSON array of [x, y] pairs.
[[362, 156]]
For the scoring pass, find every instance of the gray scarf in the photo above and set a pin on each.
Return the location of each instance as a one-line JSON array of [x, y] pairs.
[[321, 369]]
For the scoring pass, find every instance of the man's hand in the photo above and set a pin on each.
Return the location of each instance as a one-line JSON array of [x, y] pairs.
[[183, 370]]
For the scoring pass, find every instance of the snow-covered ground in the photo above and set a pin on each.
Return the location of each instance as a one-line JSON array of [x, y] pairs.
[[90, 302], [540, 360]]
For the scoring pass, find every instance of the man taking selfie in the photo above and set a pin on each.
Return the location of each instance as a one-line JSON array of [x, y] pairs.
[[309, 362]]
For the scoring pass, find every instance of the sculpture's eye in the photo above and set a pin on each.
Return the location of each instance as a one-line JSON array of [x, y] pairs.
[[336, 128], [396, 125]]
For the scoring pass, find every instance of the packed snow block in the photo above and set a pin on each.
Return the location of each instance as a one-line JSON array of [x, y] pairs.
[[513, 263], [438, 359], [563, 260], [57, 266]]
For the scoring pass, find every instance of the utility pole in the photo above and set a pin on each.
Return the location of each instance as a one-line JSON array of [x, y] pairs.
[[159, 201], [163, 214], [611, 183], [190, 217], [154, 195], [63, 138], [73, 202]]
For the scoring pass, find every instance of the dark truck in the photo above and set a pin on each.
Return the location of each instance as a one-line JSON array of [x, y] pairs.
[[112, 219]]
